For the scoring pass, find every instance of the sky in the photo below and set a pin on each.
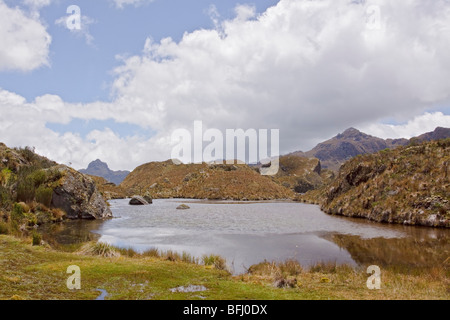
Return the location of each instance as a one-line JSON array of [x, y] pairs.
[[117, 87]]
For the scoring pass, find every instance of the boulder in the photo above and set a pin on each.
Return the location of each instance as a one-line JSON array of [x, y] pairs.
[[183, 207], [138, 201], [78, 196], [148, 199]]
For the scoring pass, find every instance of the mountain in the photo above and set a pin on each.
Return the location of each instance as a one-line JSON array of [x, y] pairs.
[[407, 185], [352, 142], [101, 169], [438, 134], [203, 181]]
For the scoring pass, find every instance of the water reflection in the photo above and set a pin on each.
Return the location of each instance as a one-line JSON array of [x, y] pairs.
[[248, 233], [71, 232], [418, 251]]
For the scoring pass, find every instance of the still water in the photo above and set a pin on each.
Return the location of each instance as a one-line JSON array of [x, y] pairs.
[[245, 233]]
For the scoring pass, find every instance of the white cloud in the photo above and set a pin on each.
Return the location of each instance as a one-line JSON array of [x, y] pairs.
[[24, 40], [413, 128], [214, 15], [122, 3], [24, 124], [309, 68], [37, 4]]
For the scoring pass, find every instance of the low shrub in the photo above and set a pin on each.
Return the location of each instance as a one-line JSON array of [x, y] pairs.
[[26, 190], [37, 238], [4, 228], [39, 177], [17, 213], [44, 195], [214, 260]]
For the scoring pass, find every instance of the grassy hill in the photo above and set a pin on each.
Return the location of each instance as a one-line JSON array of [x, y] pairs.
[[203, 181], [407, 185]]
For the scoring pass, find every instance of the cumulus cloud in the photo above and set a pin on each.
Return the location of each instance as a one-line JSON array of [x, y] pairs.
[[413, 128], [122, 3], [308, 68], [25, 124], [24, 40]]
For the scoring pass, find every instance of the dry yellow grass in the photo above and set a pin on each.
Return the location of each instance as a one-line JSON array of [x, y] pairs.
[[203, 181]]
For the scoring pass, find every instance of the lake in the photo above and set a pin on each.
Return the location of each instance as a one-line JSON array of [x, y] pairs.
[[245, 233]]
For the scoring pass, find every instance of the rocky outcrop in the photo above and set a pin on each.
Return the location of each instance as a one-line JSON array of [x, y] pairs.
[[138, 201], [78, 196]]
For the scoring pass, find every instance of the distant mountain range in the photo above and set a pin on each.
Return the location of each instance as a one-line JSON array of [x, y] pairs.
[[100, 169], [299, 171], [352, 142]]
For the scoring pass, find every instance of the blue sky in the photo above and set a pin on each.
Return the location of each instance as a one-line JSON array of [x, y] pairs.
[[81, 72], [117, 89]]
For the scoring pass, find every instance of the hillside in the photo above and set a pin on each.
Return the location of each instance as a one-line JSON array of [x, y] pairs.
[[101, 169], [352, 142], [203, 181], [302, 174], [408, 185], [35, 190]]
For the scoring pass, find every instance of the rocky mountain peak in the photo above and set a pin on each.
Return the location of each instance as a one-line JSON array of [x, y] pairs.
[[101, 169]]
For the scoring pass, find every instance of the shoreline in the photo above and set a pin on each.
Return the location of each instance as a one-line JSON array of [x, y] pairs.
[[144, 278]]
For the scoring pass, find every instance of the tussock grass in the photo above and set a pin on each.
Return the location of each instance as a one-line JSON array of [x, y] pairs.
[[208, 260], [99, 249], [214, 260]]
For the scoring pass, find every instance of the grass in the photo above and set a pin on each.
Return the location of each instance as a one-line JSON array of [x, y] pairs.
[[39, 272]]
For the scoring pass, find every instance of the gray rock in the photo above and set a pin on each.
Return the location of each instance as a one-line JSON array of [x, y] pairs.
[[148, 198], [138, 201], [78, 196], [183, 207]]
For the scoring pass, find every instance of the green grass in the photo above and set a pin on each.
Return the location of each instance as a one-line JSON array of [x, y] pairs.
[[38, 272]]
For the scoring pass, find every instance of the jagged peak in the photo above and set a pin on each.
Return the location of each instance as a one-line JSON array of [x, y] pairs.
[[351, 133], [97, 163], [351, 130]]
